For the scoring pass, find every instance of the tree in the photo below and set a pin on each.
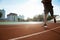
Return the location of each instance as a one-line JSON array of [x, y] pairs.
[[38, 18], [49, 17], [20, 20], [0, 14], [29, 19]]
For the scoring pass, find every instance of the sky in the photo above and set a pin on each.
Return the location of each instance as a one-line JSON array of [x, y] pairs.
[[28, 8]]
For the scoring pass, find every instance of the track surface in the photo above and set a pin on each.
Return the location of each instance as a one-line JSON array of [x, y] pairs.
[[30, 32]]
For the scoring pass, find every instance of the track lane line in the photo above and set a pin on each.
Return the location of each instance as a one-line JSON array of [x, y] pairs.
[[26, 36]]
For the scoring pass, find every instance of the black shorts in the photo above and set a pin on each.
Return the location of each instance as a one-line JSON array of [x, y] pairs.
[[48, 10]]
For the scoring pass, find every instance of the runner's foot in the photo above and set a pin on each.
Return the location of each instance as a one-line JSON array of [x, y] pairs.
[[45, 26]]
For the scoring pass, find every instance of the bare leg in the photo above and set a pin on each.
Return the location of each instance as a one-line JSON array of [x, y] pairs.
[[52, 14], [45, 19], [45, 22], [54, 19]]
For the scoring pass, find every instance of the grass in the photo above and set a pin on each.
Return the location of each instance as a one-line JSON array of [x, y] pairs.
[[2, 23]]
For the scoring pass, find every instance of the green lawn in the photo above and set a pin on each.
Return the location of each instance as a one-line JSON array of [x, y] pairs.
[[4, 23]]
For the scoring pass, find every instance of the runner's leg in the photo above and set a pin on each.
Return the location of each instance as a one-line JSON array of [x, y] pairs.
[[45, 17], [52, 14]]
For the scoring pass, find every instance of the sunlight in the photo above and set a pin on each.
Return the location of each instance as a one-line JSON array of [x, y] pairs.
[[28, 8], [34, 0]]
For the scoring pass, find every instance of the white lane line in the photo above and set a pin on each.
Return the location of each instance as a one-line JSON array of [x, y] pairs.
[[33, 34]]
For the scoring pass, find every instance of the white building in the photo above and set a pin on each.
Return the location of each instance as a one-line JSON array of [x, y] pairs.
[[21, 18], [3, 14], [12, 17]]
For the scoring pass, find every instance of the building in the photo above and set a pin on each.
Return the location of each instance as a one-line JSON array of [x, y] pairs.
[[3, 14], [12, 17], [21, 18], [2, 18]]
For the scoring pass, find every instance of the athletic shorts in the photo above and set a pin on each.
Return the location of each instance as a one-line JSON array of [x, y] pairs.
[[48, 10]]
